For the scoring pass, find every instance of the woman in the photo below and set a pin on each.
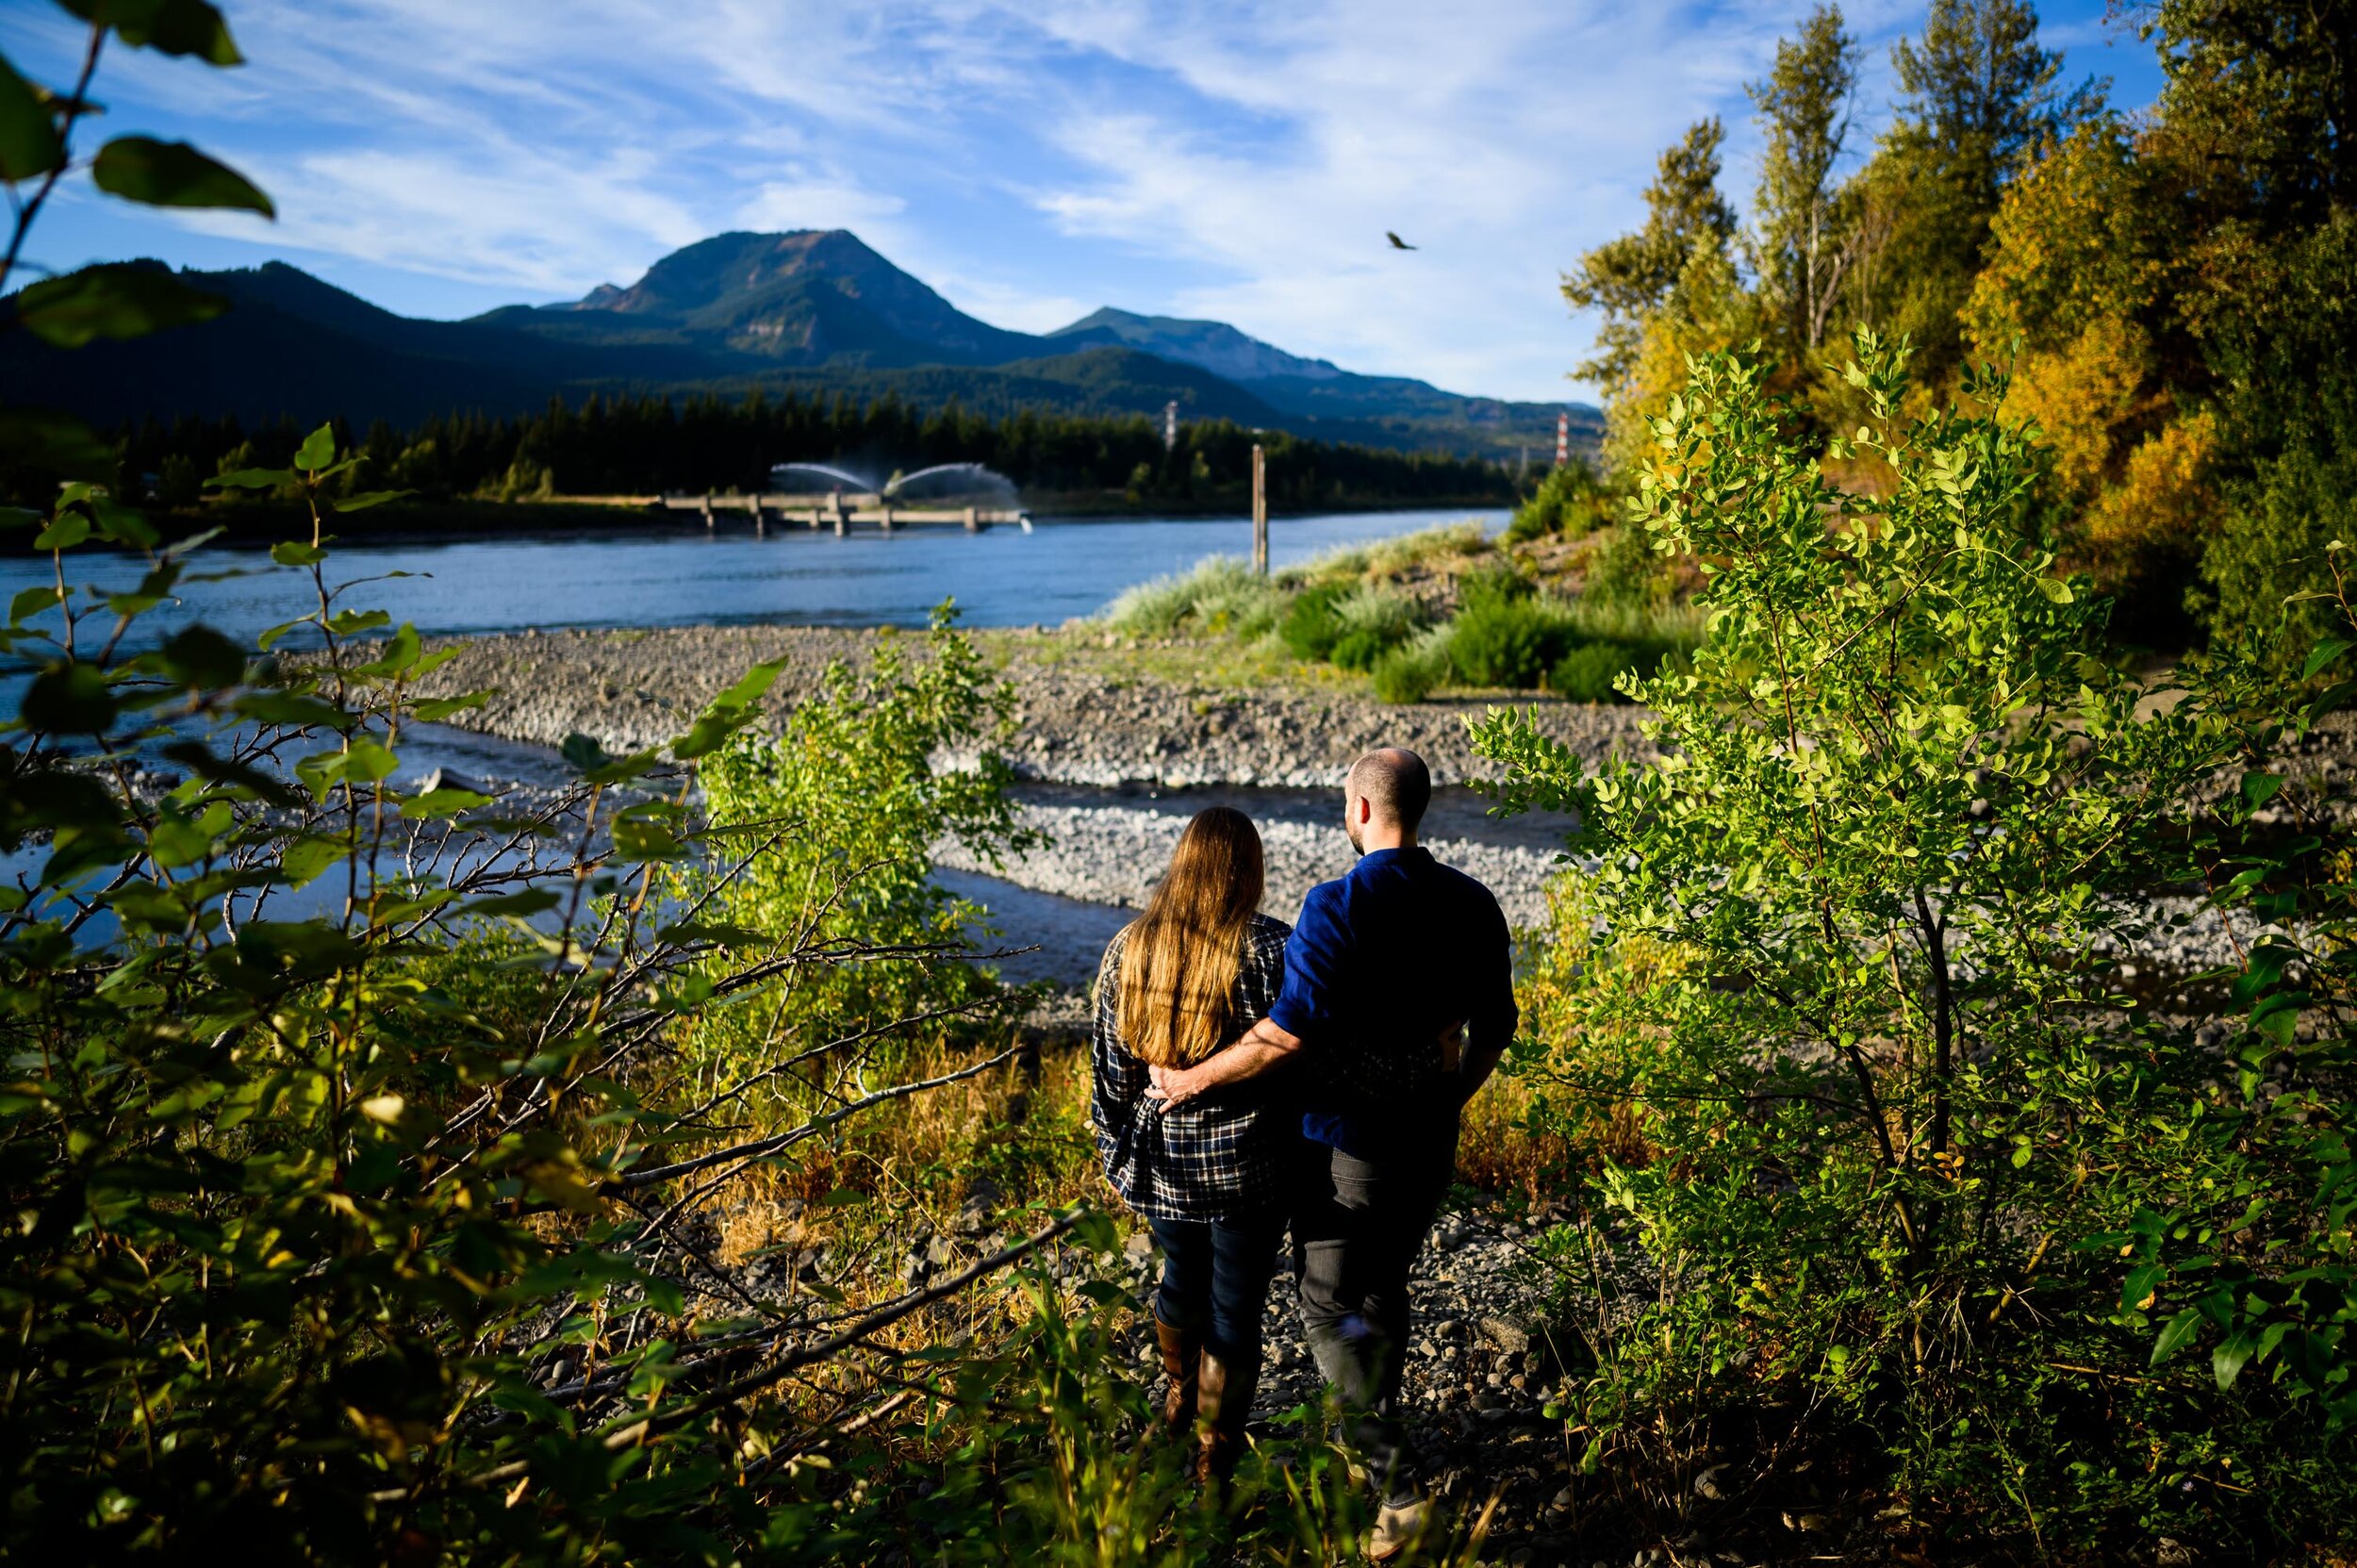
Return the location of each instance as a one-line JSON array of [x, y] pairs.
[[1189, 976]]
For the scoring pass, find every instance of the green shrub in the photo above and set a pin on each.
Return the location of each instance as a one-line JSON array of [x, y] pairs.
[[1372, 621], [1625, 571], [2272, 546], [1905, 1162], [1413, 673], [1587, 673], [1219, 596], [1504, 633], [1310, 626], [1568, 501]]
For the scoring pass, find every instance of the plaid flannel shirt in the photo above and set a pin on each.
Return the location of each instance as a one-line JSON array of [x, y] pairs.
[[1218, 1158]]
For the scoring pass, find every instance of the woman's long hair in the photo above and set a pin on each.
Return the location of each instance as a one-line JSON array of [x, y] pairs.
[[1179, 958]]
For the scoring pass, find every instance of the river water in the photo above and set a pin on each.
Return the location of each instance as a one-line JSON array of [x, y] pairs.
[[681, 575]]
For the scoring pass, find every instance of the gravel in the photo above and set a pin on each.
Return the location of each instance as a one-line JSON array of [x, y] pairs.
[[1075, 724], [1114, 854]]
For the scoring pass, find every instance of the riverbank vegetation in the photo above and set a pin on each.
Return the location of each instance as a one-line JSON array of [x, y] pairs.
[[1445, 609], [655, 1170]]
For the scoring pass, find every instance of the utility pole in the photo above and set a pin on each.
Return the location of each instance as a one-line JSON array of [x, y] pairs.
[[1259, 510], [1562, 438], [1170, 425]]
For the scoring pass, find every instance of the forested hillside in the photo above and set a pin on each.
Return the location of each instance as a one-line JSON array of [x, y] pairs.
[[652, 444]]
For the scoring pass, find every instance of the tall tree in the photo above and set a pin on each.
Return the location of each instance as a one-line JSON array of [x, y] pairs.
[[1977, 98], [1805, 230], [2265, 93], [1629, 278], [1978, 88]]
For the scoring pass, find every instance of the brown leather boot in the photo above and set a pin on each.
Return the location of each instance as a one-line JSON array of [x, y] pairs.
[[1227, 1405], [1182, 1358]]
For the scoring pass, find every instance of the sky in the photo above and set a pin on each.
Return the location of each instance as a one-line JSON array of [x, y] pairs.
[[1029, 161]]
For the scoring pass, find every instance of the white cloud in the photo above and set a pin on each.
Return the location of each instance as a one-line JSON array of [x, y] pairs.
[[818, 204], [1031, 159]]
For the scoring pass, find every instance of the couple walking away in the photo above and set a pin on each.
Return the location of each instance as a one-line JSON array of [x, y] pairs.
[[1252, 1079]]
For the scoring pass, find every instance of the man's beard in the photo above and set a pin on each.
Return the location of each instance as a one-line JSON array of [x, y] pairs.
[[1350, 826]]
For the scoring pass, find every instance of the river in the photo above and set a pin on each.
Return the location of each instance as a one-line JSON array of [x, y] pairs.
[[681, 575]]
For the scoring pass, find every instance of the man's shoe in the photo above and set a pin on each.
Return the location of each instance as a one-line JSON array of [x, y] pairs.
[[1398, 1526], [1183, 1361]]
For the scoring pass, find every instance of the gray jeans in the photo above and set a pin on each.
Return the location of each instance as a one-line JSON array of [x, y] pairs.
[[1358, 1225]]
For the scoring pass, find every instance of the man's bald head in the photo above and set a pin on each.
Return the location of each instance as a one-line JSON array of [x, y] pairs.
[[1395, 785]]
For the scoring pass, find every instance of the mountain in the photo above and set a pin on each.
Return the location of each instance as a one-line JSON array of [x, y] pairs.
[[813, 297], [1215, 346], [814, 310], [1399, 408]]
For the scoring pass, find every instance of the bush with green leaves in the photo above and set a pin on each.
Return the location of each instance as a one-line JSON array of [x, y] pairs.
[[1371, 621], [1220, 596], [1570, 502], [1504, 633], [1310, 627], [1591, 672], [1904, 1164], [1413, 673]]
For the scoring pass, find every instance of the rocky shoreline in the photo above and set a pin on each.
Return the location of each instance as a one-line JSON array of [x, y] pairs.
[[1079, 720]]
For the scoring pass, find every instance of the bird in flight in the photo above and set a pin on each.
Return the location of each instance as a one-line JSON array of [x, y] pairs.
[[1397, 243]]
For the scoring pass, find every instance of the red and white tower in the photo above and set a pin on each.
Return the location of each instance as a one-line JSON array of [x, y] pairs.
[[1562, 438]]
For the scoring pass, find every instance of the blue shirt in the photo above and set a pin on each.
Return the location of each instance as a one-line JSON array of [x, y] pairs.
[[1380, 964]]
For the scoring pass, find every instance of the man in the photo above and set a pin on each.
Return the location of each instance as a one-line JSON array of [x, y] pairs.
[[1399, 993]]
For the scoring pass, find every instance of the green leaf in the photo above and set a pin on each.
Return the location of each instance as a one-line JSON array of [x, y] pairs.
[[124, 524], [294, 552], [530, 900], [367, 499], [68, 700], [685, 931], [41, 441], [2056, 590], [202, 659], [346, 624], [437, 709], [253, 479], [443, 802], [317, 450], [29, 143], [112, 300], [753, 686], [70, 529], [32, 602], [2141, 1281], [582, 753], [306, 858], [2227, 1361], [2326, 651], [172, 174], [710, 732], [637, 838], [168, 26], [2180, 1330]]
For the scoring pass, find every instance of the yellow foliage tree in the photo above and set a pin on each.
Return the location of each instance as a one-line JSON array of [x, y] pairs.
[[2080, 290]]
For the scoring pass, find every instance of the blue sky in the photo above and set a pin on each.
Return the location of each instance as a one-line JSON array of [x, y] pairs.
[[1029, 161]]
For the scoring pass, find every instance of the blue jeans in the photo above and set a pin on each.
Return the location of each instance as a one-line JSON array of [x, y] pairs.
[[1215, 1279]]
